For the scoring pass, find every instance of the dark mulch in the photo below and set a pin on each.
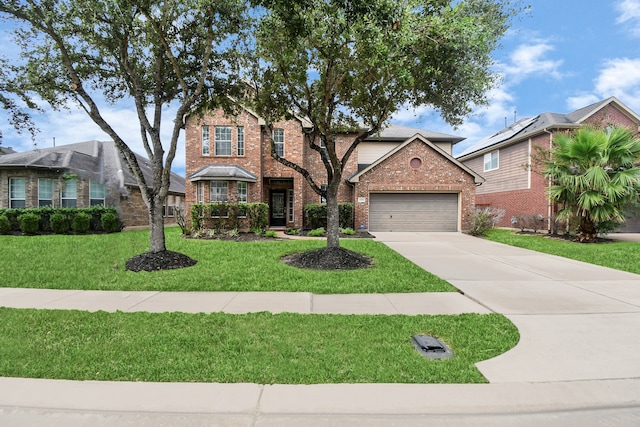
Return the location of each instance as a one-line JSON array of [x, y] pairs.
[[155, 261], [328, 259]]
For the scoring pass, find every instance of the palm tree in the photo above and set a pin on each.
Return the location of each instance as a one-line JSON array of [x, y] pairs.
[[595, 176]]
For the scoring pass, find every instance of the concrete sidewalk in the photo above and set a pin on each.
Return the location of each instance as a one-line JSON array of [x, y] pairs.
[[578, 360]]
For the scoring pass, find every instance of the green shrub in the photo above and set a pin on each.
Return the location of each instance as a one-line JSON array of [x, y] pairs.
[[5, 225], [110, 222], [347, 231], [29, 223], [483, 219], [316, 215], [318, 232], [81, 222], [270, 233], [59, 223], [292, 231]]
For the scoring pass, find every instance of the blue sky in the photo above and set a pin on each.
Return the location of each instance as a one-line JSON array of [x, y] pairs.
[[562, 55]]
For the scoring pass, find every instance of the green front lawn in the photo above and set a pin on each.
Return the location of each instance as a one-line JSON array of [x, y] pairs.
[[259, 348], [97, 262], [623, 256]]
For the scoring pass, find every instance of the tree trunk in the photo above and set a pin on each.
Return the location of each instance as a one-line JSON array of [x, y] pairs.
[[587, 229], [333, 217], [156, 225]]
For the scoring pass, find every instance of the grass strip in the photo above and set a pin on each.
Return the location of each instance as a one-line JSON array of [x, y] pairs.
[[261, 348], [619, 255], [96, 262]]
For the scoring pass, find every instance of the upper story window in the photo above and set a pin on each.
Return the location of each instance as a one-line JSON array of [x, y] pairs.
[[45, 191], [278, 141], [242, 192], [222, 141], [491, 161], [219, 191], [97, 193], [17, 192], [205, 140], [240, 144], [69, 194]]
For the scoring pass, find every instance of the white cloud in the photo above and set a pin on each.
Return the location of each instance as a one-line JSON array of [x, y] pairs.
[[582, 100], [530, 60], [629, 15]]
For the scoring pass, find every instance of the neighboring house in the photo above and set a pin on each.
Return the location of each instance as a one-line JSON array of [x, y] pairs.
[[401, 179], [507, 159], [80, 175], [6, 150]]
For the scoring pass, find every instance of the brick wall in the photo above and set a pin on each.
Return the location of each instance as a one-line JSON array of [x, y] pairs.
[[395, 174]]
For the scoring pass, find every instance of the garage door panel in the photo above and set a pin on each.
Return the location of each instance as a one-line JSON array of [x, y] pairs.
[[413, 212]]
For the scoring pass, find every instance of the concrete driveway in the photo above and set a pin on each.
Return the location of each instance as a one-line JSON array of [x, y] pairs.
[[577, 321]]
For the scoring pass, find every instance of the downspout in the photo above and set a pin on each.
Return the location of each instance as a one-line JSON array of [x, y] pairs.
[[549, 204]]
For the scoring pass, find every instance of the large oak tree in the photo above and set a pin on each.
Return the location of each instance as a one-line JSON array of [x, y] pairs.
[[349, 66], [151, 53]]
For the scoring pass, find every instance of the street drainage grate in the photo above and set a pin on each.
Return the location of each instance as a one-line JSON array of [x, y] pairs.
[[431, 347]]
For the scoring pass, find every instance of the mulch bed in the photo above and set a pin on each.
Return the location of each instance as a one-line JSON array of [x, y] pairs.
[[155, 261], [328, 259]]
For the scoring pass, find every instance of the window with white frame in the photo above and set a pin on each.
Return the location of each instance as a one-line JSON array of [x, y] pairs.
[[219, 191], [240, 142], [290, 206], [168, 207], [97, 193], [242, 192], [278, 141], [491, 161], [45, 191], [205, 140], [200, 192], [222, 140], [69, 194], [17, 192]]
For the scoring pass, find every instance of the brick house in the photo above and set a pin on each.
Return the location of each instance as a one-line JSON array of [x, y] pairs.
[[513, 180], [401, 179], [81, 175]]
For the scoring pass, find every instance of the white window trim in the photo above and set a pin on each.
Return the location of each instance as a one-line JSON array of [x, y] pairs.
[[64, 197], [216, 141], [240, 141], [489, 155], [52, 182], [200, 194], [92, 184], [244, 193], [206, 140], [278, 143], [11, 194], [290, 205], [214, 184]]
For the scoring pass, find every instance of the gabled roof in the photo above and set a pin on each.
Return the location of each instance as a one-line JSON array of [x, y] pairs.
[[222, 172], [526, 128], [356, 177], [100, 161], [401, 133]]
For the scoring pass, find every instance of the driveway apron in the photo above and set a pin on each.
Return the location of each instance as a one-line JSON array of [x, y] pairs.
[[577, 321]]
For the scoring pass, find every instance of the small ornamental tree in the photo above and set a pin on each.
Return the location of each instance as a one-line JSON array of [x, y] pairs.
[[349, 66], [595, 177]]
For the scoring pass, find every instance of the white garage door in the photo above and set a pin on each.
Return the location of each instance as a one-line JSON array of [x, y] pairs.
[[413, 212]]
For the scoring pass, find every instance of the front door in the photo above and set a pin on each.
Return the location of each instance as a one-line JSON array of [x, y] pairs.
[[277, 218]]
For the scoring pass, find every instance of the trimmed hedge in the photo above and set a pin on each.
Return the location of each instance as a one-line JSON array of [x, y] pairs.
[[48, 216], [316, 215], [222, 216]]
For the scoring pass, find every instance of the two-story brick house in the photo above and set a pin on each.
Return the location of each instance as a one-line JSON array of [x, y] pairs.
[[506, 160], [401, 179]]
